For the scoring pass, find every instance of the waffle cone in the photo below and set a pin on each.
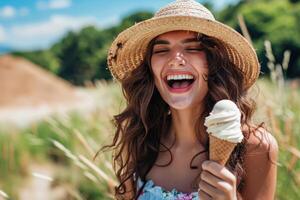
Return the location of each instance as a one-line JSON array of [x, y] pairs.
[[220, 150]]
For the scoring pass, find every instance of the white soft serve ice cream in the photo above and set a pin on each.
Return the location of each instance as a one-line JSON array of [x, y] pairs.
[[224, 122]]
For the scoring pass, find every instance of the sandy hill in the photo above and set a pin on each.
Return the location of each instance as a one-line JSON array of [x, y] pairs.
[[23, 83]]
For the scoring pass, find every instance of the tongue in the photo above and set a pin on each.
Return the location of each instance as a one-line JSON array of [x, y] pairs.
[[180, 84]]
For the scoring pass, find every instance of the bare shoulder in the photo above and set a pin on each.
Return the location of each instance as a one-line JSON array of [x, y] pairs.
[[260, 164], [261, 142]]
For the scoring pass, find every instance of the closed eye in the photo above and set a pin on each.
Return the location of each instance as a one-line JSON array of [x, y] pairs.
[[160, 51], [195, 49]]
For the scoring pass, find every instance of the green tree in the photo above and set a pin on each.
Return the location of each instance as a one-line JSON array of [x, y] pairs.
[[79, 55], [44, 58], [274, 20], [83, 55]]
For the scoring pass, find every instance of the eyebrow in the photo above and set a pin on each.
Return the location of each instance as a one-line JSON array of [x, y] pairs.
[[188, 40]]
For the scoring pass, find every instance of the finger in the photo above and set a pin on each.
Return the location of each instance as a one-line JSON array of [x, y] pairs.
[[204, 196], [209, 189], [216, 182], [219, 171]]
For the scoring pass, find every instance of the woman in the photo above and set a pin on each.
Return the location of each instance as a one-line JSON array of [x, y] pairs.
[[173, 68]]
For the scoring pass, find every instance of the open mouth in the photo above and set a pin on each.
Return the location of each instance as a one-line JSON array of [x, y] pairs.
[[180, 81]]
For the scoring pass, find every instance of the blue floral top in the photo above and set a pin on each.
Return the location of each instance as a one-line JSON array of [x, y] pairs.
[[153, 192]]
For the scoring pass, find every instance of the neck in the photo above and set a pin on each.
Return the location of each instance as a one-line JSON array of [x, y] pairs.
[[183, 128]]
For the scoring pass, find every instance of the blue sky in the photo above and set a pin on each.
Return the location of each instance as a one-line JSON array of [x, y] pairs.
[[36, 24]]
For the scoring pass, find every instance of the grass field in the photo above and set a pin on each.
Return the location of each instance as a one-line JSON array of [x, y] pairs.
[[68, 143]]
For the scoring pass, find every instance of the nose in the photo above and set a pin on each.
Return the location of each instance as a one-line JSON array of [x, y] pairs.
[[177, 60]]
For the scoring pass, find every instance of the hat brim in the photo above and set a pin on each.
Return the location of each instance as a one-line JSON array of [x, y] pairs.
[[128, 50]]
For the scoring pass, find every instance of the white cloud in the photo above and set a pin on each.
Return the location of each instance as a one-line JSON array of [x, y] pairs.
[[10, 12], [57, 24], [7, 12], [53, 4], [2, 34], [57, 4], [42, 34]]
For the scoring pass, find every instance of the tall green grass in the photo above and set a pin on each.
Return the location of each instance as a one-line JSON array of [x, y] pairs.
[[70, 142]]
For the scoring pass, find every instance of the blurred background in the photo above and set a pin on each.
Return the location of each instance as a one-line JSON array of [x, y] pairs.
[[57, 97]]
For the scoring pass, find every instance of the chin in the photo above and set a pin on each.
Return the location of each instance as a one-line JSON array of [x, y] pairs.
[[180, 106]]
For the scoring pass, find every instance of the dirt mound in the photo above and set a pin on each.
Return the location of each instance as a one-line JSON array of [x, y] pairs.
[[23, 83]]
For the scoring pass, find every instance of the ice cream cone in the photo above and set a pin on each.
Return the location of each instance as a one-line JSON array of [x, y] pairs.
[[220, 150]]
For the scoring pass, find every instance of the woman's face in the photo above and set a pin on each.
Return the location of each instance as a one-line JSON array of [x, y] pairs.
[[180, 68]]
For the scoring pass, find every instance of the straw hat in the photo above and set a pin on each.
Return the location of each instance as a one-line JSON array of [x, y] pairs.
[[128, 50]]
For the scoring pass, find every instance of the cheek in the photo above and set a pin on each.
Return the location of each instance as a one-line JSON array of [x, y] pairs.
[[156, 67], [199, 60], [158, 61], [155, 73]]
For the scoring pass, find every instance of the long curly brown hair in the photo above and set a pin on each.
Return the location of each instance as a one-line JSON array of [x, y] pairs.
[[145, 120]]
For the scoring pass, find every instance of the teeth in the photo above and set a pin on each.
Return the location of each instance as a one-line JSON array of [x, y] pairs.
[[179, 77]]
